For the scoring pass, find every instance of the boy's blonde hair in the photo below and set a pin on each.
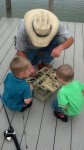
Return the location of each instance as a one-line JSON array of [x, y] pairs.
[[65, 72], [19, 64]]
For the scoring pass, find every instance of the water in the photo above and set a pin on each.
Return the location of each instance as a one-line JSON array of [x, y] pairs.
[[66, 10]]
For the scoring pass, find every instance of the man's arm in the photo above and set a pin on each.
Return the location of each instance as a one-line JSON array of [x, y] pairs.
[[56, 52], [68, 42], [63, 32], [21, 53]]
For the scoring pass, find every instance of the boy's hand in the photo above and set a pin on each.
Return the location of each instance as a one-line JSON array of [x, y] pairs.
[[31, 87], [27, 101]]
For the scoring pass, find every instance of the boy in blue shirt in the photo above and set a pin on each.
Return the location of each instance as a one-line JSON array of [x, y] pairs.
[[17, 95]]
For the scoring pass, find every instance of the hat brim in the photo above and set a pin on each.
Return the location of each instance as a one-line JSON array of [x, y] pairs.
[[35, 39]]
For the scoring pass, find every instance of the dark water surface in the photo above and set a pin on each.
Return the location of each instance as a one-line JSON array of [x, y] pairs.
[[66, 10]]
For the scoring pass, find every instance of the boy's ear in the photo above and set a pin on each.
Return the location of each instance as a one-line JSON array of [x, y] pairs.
[[21, 74], [61, 80]]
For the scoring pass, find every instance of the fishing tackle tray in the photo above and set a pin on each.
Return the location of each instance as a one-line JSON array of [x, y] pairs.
[[45, 83]]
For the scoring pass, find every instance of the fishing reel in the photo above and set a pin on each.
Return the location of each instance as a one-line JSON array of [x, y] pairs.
[[8, 134]]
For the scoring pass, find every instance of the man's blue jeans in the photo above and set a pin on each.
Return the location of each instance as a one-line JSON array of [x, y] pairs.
[[46, 58], [55, 106]]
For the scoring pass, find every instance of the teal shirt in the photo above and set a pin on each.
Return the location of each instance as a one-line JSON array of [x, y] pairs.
[[71, 97], [15, 91]]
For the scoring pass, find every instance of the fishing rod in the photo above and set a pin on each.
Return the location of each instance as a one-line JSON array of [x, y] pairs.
[[10, 133]]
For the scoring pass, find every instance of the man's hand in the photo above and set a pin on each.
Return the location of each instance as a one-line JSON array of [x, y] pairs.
[[56, 52]]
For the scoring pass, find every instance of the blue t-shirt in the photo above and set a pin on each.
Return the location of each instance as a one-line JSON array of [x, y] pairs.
[[15, 91]]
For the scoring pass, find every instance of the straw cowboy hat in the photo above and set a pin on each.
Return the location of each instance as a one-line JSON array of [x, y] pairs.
[[41, 26]]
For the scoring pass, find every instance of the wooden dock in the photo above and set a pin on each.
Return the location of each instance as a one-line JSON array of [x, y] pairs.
[[37, 128]]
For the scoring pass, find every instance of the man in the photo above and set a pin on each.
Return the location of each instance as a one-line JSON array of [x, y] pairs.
[[41, 37]]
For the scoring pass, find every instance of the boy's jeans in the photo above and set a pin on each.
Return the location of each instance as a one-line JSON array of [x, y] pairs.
[[55, 106], [46, 58]]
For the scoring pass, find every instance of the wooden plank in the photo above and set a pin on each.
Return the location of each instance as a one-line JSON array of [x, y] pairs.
[[19, 128], [5, 26], [63, 131], [9, 30], [1, 91], [23, 140], [63, 136], [79, 53], [5, 64], [33, 125], [4, 125], [47, 131], [2, 21], [78, 122], [59, 60], [17, 124], [69, 53], [7, 45], [78, 132], [69, 59], [83, 42]]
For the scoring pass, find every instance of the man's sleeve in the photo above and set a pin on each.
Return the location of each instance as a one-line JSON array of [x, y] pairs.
[[21, 42], [62, 99], [63, 31]]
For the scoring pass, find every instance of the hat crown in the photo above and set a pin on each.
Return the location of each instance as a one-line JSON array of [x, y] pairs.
[[41, 26], [41, 23]]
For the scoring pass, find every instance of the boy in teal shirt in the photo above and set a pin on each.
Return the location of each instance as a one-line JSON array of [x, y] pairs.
[[18, 94], [70, 97]]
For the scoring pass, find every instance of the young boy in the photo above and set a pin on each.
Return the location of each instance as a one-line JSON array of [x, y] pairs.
[[17, 94], [70, 97]]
